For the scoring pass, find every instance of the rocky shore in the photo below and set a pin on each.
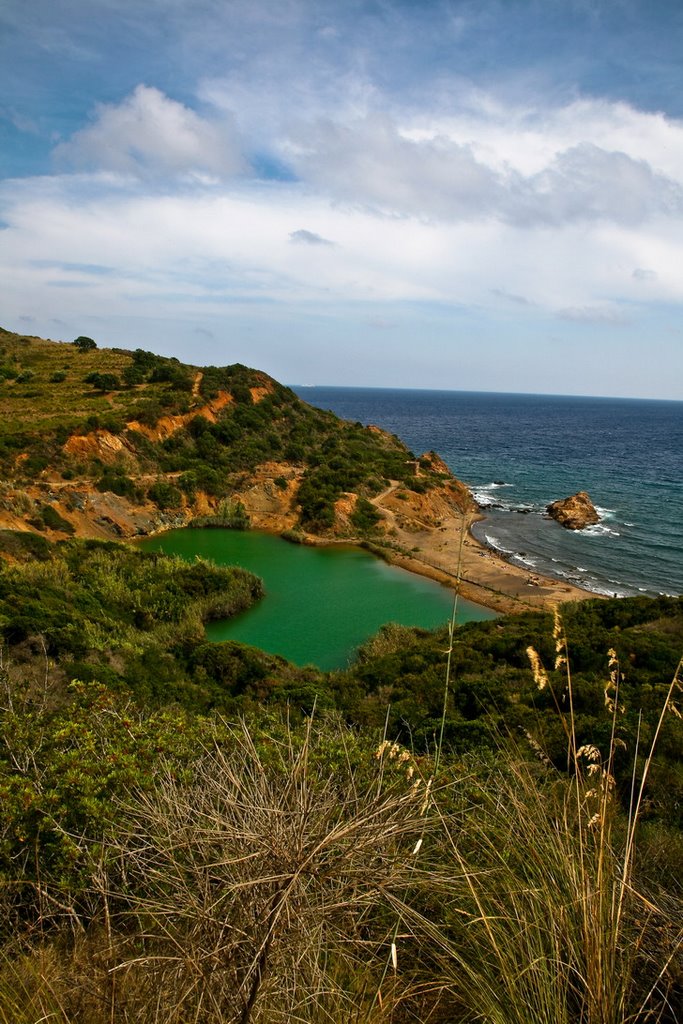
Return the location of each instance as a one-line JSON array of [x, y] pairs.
[[575, 512]]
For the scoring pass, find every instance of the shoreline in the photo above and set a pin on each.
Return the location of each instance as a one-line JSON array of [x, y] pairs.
[[425, 541], [486, 577]]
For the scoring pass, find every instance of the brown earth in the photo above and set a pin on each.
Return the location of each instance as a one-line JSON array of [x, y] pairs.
[[431, 536], [425, 533]]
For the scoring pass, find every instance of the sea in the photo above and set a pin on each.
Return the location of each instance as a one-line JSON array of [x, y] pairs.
[[520, 452]]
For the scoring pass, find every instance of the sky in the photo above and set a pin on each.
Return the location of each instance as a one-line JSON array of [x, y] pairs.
[[461, 194]]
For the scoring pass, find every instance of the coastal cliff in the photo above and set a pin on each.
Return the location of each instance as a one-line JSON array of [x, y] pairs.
[[115, 444]]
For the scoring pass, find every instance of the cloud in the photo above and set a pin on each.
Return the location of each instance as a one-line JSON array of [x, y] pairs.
[[587, 182], [203, 332], [373, 161], [148, 133], [308, 238], [95, 269], [642, 274], [381, 323], [595, 315]]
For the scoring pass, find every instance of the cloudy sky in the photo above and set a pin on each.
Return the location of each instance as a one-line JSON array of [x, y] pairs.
[[466, 194]]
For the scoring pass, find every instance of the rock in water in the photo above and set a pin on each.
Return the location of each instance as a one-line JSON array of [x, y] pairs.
[[575, 512]]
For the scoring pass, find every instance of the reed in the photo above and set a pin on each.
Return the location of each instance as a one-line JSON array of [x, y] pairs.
[[544, 920]]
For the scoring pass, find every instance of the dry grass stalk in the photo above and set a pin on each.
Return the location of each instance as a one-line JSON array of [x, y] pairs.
[[258, 889]]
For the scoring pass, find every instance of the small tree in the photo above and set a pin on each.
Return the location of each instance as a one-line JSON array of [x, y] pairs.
[[84, 344], [234, 515], [103, 381]]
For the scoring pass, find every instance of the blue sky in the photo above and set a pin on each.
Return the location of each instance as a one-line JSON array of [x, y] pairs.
[[476, 194]]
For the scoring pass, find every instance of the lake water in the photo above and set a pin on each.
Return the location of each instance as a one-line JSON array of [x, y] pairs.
[[321, 602]]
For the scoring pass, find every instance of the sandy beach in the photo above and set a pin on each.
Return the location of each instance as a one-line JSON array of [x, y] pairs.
[[485, 577]]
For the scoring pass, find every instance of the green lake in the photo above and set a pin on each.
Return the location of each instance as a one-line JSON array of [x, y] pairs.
[[321, 602]]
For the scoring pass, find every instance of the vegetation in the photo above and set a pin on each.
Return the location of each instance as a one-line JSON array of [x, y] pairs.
[[231, 515], [207, 833], [84, 344], [271, 871], [481, 823], [229, 420]]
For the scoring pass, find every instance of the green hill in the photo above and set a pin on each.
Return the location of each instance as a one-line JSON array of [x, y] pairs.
[[174, 438]]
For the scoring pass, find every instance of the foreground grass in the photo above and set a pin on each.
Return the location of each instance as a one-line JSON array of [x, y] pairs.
[[261, 879]]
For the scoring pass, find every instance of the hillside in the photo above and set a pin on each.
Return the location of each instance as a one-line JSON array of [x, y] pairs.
[[107, 443], [160, 795], [201, 832]]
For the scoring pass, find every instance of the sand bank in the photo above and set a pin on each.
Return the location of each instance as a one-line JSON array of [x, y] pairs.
[[486, 577]]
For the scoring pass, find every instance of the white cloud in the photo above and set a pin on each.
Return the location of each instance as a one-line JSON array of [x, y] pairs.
[[148, 133], [588, 182], [210, 246], [540, 229], [371, 161]]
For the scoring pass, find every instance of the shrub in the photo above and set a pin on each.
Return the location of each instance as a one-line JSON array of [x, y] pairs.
[[103, 381], [117, 482], [133, 374], [365, 516], [231, 515], [164, 494], [54, 521], [84, 344]]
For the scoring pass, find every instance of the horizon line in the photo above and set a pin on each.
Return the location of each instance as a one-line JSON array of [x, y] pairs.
[[485, 391]]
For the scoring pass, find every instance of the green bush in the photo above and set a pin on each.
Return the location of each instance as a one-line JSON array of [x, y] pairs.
[[54, 521], [103, 381], [165, 495], [365, 516], [117, 482], [84, 344]]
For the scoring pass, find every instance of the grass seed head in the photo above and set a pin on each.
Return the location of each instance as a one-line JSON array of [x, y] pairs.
[[540, 675]]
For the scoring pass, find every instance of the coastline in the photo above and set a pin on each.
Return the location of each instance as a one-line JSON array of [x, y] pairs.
[[423, 537], [486, 578]]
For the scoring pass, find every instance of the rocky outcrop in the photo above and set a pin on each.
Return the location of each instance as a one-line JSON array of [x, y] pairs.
[[575, 512]]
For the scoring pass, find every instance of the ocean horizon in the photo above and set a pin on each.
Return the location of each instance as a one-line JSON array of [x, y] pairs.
[[518, 452]]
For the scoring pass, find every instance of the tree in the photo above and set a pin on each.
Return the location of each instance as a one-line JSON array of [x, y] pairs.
[[103, 381], [84, 344]]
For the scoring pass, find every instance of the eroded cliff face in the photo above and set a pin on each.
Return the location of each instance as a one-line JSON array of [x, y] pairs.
[[87, 512], [59, 507], [269, 495], [575, 512]]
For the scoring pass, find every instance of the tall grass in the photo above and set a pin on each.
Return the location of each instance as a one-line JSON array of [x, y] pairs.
[[304, 875], [543, 919], [257, 888]]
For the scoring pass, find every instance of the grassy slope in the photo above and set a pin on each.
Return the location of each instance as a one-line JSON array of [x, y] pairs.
[[108, 613]]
